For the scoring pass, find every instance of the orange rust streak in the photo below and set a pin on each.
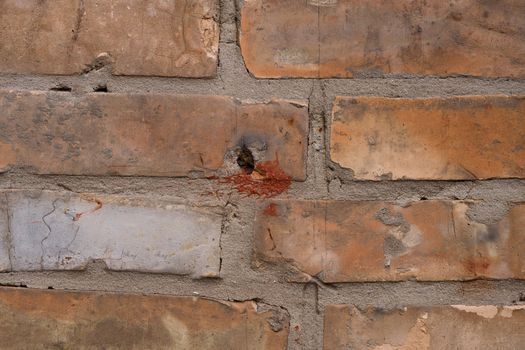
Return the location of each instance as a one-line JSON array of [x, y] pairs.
[[79, 215], [267, 180], [271, 210]]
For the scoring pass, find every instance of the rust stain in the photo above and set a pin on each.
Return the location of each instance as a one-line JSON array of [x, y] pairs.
[[271, 210], [267, 180], [79, 215]]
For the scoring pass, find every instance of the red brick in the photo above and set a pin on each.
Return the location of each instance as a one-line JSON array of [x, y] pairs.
[[164, 38], [457, 138], [424, 328], [150, 135], [31, 319], [344, 38], [343, 241]]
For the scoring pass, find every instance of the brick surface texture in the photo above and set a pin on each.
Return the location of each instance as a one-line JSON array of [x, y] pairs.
[[164, 38], [433, 328], [455, 138], [97, 321], [262, 174], [343, 241], [97, 134], [347, 38]]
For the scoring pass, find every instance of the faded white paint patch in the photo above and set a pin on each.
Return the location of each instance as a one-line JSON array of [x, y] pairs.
[[485, 311]]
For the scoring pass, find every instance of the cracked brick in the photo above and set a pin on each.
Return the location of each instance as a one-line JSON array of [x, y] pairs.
[[51, 231]]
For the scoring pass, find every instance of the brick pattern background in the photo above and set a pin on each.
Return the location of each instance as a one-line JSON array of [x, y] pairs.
[[262, 174]]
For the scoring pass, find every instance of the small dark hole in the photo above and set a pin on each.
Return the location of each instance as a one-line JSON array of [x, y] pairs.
[[50, 287], [101, 88], [521, 298], [423, 198], [61, 88], [245, 160]]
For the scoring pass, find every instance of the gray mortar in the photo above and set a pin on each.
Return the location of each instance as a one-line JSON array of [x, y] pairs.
[[267, 284]]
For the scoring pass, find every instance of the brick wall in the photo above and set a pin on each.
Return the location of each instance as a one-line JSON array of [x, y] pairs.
[[262, 174]]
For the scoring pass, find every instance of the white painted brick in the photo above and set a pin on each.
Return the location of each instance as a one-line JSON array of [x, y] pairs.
[[128, 234]]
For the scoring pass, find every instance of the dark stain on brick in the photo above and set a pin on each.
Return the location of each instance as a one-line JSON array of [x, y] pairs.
[[245, 160], [491, 235]]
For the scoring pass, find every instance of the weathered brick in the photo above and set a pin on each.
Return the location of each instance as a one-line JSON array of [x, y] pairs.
[[52, 231], [425, 328], [31, 319], [163, 38], [151, 135], [456, 138], [344, 241], [345, 38]]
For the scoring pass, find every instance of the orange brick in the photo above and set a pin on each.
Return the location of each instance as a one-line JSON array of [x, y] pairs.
[[343, 38], [343, 241], [457, 138], [424, 328], [155, 37], [31, 319], [151, 135]]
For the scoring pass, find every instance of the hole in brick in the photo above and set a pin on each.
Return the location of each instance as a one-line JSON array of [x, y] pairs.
[[101, 88], [61, 88], [245, 160]]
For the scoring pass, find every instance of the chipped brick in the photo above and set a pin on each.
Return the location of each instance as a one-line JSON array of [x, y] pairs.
[[72, 320], [136, 37], [424, 328], [344, 241]]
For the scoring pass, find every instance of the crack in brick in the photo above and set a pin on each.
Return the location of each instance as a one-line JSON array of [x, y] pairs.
[[49, 231], [78, 22], [66, 249]]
